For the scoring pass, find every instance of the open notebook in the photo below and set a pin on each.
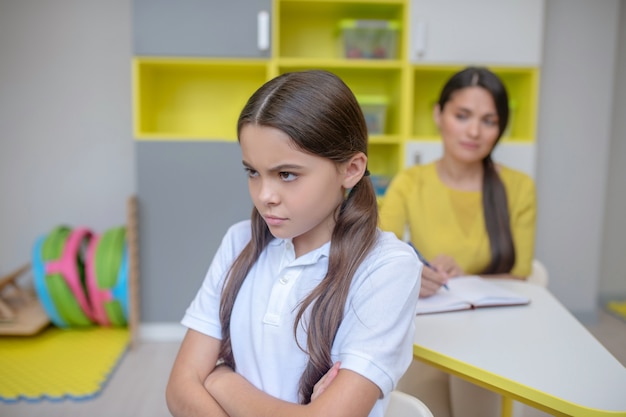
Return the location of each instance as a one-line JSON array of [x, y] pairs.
[[469, 292]]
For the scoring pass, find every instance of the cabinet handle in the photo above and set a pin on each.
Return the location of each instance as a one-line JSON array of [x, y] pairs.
[[263, 30], [420, 38]]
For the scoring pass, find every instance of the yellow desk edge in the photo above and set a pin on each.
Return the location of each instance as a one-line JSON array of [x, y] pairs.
[[510, 390]]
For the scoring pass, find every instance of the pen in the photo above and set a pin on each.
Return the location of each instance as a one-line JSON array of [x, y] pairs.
[[425, 262]]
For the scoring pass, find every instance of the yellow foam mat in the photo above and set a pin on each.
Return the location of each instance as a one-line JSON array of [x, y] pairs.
[[60, 363], [618, 308]]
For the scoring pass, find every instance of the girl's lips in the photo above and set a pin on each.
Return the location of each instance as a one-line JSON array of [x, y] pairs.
[[274, 221]]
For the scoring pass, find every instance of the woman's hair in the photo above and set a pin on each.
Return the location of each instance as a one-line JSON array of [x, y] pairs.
[[322, 117], [495, 207]]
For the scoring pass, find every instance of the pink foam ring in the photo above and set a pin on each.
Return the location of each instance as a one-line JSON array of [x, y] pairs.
[[97, 296], [67, 267]]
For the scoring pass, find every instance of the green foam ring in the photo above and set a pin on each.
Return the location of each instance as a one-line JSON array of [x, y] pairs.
[[65, 302], [60, 293], [115, 313], [53, 244], [109, 255]]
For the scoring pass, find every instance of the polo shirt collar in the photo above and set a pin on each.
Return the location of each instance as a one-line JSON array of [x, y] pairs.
[[288, 257]]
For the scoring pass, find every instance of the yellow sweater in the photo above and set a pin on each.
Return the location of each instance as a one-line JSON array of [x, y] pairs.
[[441, 220]]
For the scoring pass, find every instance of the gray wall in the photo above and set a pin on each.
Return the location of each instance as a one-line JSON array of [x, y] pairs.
[[66, 148], [574, 140], [612, 271]]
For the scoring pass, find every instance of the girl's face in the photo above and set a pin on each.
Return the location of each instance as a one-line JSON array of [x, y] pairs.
[[468, 124], [295, 192]]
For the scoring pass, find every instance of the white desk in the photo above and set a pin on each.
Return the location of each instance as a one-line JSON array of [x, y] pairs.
[[537, 354]]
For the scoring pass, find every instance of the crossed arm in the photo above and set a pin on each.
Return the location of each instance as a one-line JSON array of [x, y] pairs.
[[197, 388]]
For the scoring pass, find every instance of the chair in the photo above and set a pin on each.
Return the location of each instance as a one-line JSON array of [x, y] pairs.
[[405, 405], [539, 274]]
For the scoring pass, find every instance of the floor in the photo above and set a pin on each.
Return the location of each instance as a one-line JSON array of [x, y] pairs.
[[136, 388]]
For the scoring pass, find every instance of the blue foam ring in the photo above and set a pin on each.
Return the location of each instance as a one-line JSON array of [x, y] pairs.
[[39, 272], [120, 290]]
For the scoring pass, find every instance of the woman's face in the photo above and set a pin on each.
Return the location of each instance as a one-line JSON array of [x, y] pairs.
[[468, 124]]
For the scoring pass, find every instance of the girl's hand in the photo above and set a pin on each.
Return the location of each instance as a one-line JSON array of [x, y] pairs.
[[325, 381]]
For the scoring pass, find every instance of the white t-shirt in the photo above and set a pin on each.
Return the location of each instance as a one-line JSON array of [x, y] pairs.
[[375, 338]]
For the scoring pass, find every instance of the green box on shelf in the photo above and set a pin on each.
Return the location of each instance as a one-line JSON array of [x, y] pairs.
[[374, 109], [369, 38]]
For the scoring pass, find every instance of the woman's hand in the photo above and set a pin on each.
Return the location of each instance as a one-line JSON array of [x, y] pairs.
[[447, 265], [325, 381], [443, 268]]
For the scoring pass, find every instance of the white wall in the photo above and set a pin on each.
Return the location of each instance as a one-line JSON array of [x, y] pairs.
[[576, 107], [66, 149]]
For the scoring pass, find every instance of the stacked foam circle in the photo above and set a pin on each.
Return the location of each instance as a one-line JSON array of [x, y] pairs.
[[107, 277], [81, 278]]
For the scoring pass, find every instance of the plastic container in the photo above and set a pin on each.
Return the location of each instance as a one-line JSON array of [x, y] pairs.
[[369, 39], [375, 111]]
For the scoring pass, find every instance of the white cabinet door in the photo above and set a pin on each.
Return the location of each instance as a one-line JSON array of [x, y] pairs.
[[488, 32]]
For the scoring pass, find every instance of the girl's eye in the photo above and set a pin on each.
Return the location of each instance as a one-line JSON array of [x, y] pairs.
[[288, 176], [461, 116], [251, 173]]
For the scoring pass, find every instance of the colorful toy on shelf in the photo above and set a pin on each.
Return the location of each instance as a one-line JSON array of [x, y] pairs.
[[81, 278]]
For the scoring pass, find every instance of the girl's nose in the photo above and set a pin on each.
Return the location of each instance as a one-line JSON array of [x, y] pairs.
[[268, 194]]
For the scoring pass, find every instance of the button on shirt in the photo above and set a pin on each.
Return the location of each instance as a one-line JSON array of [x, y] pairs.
[[375, 338]]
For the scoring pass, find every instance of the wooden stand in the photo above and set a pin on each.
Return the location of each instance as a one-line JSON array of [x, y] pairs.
[[133, 273], [21, 313]]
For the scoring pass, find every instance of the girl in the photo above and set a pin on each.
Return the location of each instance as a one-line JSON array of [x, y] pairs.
[[466, 214], [307, 282]]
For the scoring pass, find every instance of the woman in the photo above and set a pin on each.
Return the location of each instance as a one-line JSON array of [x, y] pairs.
[[465, 213]]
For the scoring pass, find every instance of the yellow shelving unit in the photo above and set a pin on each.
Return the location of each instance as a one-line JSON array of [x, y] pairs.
[[192, 98], [522, 87], [184, 98], [309, 29]]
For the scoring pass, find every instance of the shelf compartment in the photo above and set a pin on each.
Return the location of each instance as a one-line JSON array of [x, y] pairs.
[[384, 159], [310, 28], [192, 98], [521, 84], [381, 81]]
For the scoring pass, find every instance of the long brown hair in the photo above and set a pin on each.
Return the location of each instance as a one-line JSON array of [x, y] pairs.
[[495, 206], [322, 117]]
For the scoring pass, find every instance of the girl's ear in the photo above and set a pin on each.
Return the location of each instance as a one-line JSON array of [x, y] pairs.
[[354, 170]]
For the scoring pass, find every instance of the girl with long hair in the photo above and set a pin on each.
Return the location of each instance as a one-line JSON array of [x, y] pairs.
[[309, 290]]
